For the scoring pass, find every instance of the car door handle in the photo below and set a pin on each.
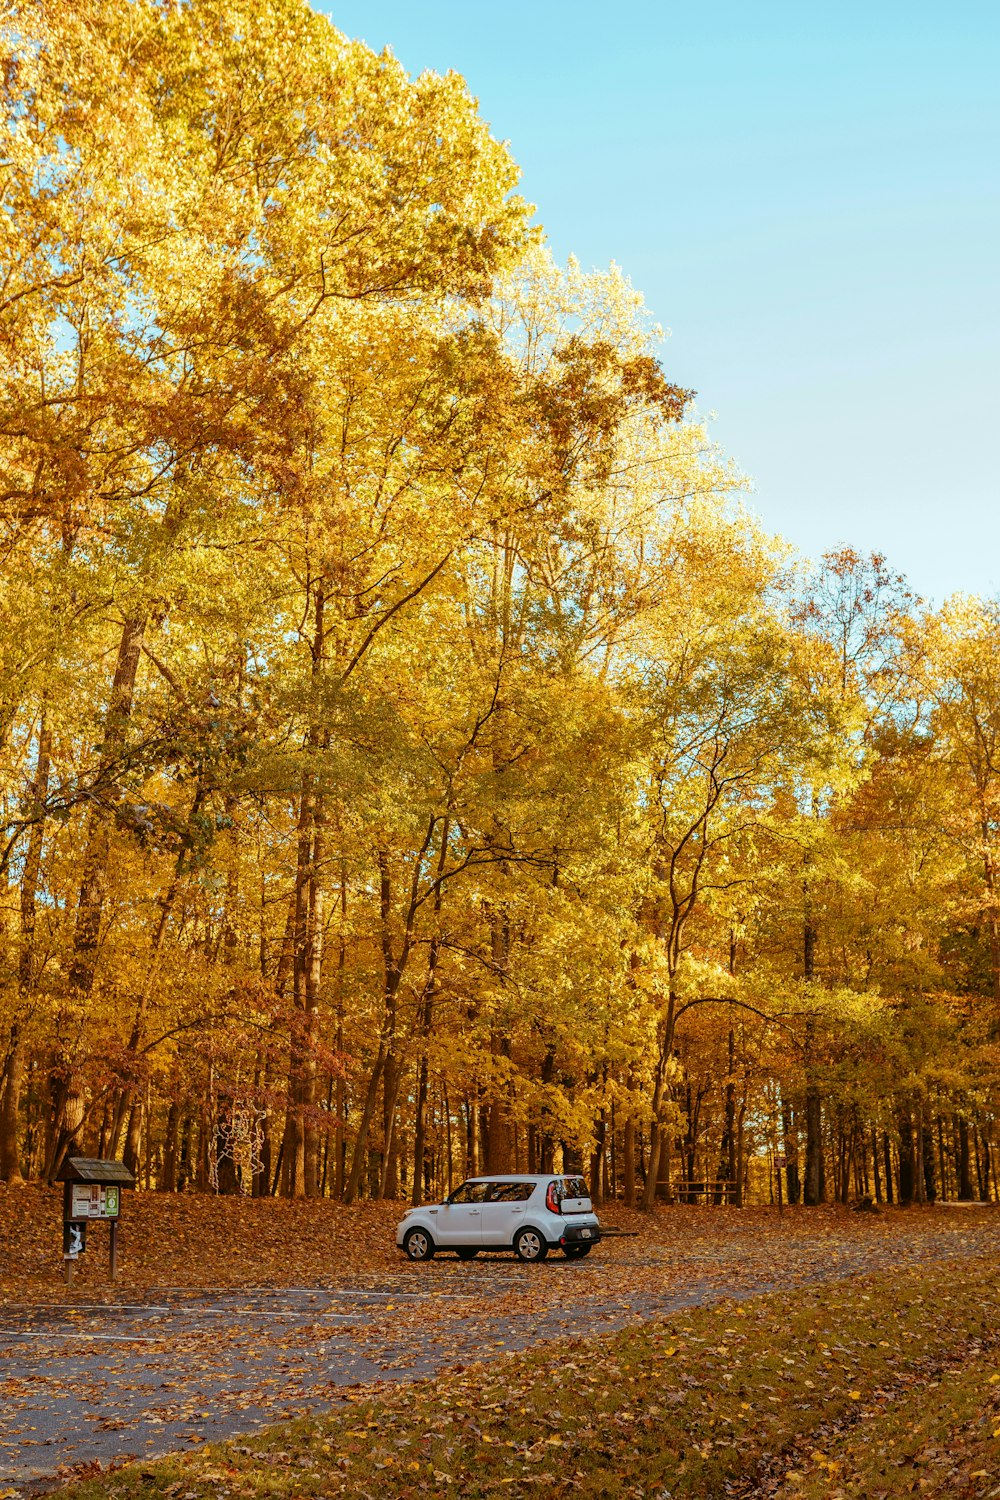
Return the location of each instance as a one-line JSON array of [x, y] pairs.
[[473, 1211]]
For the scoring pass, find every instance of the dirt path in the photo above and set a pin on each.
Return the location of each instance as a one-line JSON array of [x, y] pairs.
[[90, 1377]]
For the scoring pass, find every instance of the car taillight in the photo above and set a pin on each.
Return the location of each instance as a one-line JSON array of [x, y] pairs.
[[551, 1199]]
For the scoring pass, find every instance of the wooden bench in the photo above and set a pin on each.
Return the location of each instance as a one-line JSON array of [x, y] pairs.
[[690, 1192]]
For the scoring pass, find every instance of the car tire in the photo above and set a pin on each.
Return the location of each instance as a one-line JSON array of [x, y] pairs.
[[530, 1246], [467, 1253], [418, 1245], [576, 1252]]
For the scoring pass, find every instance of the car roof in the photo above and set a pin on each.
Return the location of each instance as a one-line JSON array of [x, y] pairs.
[[519, 1176]]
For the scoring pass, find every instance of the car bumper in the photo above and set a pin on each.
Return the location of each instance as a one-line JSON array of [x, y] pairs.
[[580, 1234]]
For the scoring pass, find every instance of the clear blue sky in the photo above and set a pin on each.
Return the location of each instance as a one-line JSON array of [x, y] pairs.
[[808, 197]]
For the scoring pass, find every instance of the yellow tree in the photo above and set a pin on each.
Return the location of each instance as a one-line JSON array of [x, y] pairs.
[[952, 665], [169, 199]]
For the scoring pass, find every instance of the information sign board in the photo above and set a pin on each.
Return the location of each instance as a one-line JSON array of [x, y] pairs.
[[92, 1189], [95, 1200]]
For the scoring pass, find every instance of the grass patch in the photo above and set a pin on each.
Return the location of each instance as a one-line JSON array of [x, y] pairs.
[[853, 1389], [938, 1438]]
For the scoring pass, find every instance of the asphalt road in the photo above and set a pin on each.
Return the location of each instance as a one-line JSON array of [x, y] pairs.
[[103, 1381]]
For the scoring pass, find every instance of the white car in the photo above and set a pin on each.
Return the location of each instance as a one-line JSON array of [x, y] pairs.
[[529, 1215]]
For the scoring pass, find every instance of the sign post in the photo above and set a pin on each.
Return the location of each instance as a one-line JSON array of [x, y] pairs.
[[92, 1189]]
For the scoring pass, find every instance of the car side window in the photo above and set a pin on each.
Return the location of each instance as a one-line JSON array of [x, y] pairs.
[[470, 1192], [510, 1192]]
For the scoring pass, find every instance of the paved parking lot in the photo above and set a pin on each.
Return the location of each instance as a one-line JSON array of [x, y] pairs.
[[108, 1379]]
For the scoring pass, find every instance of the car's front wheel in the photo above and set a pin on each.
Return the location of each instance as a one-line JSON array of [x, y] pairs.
[[576, 1252], [418, 1244], [529, 1245]]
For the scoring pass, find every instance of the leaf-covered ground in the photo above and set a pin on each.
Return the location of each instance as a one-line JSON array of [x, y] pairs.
[[201, 1241], [876, 1387], [230, 1315]]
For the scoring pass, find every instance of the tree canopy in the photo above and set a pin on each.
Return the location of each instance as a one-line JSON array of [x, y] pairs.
[[414, 759]]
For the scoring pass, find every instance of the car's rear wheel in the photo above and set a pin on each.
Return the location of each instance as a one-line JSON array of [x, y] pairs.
[[576, 1252], [530, 1246], [418, 1244], [467, 1253]]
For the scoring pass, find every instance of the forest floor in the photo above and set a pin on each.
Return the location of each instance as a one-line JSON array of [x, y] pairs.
[[229, 1316]]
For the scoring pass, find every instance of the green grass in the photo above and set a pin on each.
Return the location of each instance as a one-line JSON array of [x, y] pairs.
[[881, 1386], [941, 1438]]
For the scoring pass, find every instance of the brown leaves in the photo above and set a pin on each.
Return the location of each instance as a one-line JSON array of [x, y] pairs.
[[197, 1241], [693, 1393]]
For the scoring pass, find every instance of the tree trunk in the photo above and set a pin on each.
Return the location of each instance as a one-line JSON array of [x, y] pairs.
[[267, 1177], [629, 1154], [597, 1161], [499, 1133], [340, 1084], [90, 904], [992, 924], [907, 1174], [964, 1164], [133, 1137], [168, 1174], [391, 1077], [927, 1151], [942, 1158], [919, 1180], [394, 967], [420, 1152], [814, 1187], [13, 1072], [423, 1079], [664, 1062], [10, 1107], [987, 1165], [499, 1130], [875, 1167], [359, 1157], [261, 1178], [299, 1145], [793, 1186], [71, 1107], [205, 1176], [425, 1026], [727, 1149]]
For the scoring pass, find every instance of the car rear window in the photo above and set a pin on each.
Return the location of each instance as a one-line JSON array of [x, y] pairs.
[[574, 1187]]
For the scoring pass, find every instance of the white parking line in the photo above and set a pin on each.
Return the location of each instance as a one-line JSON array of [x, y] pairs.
[[233, 1312], [69, 1307], [317, 1292], [81, 1330], [321, 1295], [410, 1296], [243, 1312], [82, 1336], [245, 1291]]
